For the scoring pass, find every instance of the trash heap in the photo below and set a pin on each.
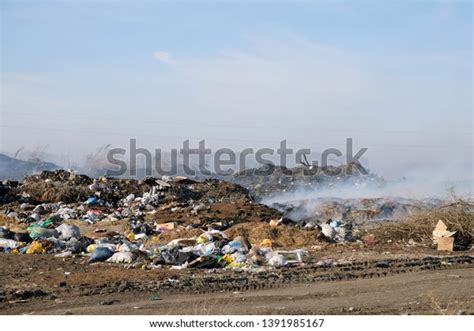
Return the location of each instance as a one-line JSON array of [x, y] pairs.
[[336, 230], [68, 195], [354, 210], [270, 180], [212, 249], [67, 214]]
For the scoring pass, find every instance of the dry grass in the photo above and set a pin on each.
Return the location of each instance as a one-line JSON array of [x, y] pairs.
[[55, 192], [458, 216], [11, 223]]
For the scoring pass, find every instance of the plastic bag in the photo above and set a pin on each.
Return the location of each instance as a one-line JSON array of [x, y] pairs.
[[227, 259], [22, 237], [328, 231], [8, 243], [100, 254], [203, 238], [91, 248], [121, 257], [77, 246], [67, 231], [91, 201], [40, 232], [127, 247], [204, 262], [5, 233], [174, 256], [276, 260], [41, 224], [239, 257], [231, 247], [335, 224], [204, 249], [35, 247], [266, 243]]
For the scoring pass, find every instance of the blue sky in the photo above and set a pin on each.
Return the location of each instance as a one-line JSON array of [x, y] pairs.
[[73, 33], [394, 75]]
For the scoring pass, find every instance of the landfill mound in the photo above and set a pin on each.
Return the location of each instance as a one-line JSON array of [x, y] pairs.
[[70, 187], [308, 198], [172, 221], [353, 210], [70, 237], [270, 180]]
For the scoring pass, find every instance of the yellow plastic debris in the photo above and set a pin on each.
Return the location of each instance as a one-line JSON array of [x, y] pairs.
[[227, 258], [266, 243], [90, 248], [35, 248], [130, 236], [202, 239]]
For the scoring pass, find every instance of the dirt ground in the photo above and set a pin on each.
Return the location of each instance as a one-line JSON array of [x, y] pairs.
[[443, 292], [362, 282]]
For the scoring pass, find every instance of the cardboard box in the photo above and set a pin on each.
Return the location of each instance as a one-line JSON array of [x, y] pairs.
[[446, 244], [443, 237]]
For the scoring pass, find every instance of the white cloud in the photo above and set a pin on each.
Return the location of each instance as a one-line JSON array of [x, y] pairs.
[[163, 56]]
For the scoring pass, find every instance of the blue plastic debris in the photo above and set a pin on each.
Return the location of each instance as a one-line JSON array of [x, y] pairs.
[[91, 201], [335, 224], [100, 254]]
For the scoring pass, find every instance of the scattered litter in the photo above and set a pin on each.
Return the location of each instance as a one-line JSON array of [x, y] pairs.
[[121, 257], [100, 254], [35, 247], [179, 223]]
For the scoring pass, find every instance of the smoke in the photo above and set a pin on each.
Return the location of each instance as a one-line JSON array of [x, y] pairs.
[[421, 186]]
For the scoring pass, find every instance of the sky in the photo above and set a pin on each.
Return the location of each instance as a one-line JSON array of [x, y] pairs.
[[396, 76]]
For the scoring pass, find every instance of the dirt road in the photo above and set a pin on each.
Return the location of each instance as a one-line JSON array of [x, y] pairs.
[[443, 292], [430, 285]]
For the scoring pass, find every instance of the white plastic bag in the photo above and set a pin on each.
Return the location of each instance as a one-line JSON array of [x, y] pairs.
[[276, 260], [8, 243], [121, 257], [68, 231]]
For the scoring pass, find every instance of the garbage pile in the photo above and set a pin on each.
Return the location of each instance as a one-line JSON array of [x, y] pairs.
[[270, 180], [357, 211], [121, 221], [67, 195], [337, 231], [212, 249]]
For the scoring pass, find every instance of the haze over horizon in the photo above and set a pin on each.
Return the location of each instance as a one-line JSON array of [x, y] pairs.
[[396, 77]]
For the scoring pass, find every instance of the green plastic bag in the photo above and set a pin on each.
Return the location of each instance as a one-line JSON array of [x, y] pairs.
[[36, 229]]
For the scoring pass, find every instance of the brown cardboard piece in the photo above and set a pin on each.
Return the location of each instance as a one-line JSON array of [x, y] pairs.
[[166, 226], [443, 237], [276, 222], [446, 244]]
